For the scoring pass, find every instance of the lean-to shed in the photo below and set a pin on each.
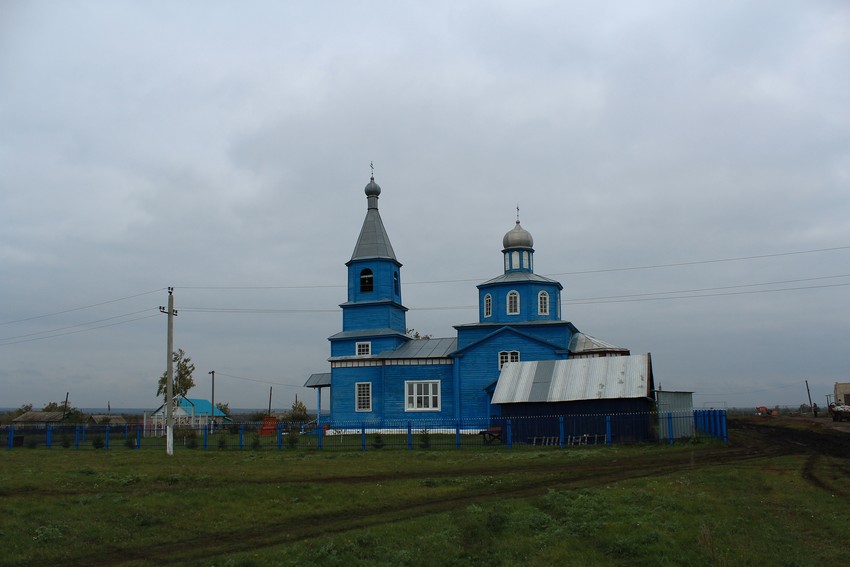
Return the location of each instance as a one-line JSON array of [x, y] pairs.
[[585, 391]]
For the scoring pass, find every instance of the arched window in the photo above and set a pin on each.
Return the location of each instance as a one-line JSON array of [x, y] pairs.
[[488, 305], [367, 281], [513, 303], [395, 283], [542, 303], [508, 356]]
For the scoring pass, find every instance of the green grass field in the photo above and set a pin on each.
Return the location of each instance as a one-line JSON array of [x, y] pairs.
[[758, 501]]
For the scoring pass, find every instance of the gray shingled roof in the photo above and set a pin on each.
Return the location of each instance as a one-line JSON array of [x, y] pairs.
[[373, 241]]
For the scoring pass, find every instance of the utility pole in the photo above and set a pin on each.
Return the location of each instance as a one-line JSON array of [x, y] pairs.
[[169, 375], [212, 373], [810, 396]]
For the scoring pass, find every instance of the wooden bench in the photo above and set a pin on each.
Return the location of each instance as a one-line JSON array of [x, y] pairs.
[[491, 435]]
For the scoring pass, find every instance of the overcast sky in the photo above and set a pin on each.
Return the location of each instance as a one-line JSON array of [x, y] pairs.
[[683, 167]]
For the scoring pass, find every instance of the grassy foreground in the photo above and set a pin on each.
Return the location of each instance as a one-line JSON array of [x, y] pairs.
[[649, 505]]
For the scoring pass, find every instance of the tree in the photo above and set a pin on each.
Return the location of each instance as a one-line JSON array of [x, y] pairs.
[[182, 380], [72, 414], [298, 412], [225, 408], [414, 334]]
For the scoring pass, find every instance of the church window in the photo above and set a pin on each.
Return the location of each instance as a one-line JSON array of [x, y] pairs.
[[364, 349], [422, 396], [395, 283], [506, 356], [515, 260], [488, 305], [525, 260], [507, 261], [363, 396], [513, 303], [542, 303], [367, 281]]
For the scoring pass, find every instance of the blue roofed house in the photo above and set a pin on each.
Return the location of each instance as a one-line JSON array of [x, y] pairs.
[[380, 373], [191, 412]]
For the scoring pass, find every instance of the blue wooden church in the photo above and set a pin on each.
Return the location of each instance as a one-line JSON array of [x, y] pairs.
[[380, 373]]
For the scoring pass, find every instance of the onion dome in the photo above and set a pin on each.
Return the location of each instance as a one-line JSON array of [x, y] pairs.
[[372, 188], [517, 237]]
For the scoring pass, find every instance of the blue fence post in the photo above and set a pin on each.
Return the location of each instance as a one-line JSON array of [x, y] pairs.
[[126, 431], [106, 446], [608, 430], [138, 438], [510, 435], [48, 436], [670, 426], [77, 437], [11, 436], [280, 435], [723, 426], [409, 436], [241, 435], [321, 436], [561, 431], [362, 436], [206, 431], [457, 435]]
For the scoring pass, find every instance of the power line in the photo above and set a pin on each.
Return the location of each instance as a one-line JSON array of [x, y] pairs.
[[219, 373], [570, 302], [79, 331], [84, 307], [573, 273], [73, 326]]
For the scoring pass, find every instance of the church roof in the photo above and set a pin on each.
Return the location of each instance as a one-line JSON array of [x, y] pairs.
[[519, 277], [422, 348], [581, 343], [373, 241], [610, 377]]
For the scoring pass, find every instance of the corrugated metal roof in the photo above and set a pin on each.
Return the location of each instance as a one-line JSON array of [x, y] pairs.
[[609, 377], [582, 343], [422, 348], [318, 380]]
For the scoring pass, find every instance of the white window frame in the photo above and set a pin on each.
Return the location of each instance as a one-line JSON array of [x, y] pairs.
[[506, 356], [363, 349], [420, 395], [488, 305], [363, 393], [512, 293], [543, 303]]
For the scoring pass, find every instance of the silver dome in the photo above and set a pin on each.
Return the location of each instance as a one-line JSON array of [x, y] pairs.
[[517, 237]]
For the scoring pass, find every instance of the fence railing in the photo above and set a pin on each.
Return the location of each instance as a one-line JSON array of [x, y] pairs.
[[550, 431]]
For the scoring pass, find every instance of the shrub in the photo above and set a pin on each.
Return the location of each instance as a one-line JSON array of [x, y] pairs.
[[425, 439], [97, 442], [255, 441], [222, 442], [378, 441], [130, 442], [292, 439], [66, 441]]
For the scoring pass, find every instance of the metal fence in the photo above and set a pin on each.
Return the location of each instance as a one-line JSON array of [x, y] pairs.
[[550, 431]]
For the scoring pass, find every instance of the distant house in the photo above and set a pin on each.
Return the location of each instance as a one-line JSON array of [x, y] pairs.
[[107, 419], [189, 412], [39, 418]]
